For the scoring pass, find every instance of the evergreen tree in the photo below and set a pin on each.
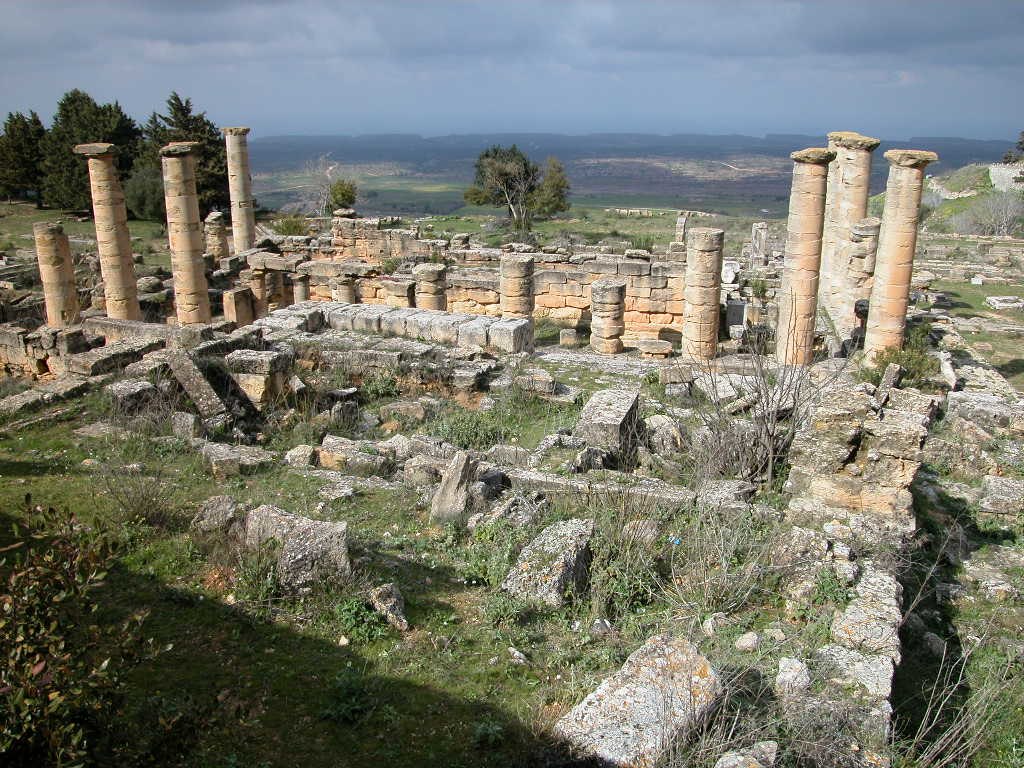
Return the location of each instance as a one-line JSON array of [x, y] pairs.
[[552, 195], [80, 120], [181, 123], [505, 177], [21, 156]]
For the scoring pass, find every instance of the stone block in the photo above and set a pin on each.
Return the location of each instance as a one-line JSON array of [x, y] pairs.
[[610, 420], [553, 564], [511, 335]]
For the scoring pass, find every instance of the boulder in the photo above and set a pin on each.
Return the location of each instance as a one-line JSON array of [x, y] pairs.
[[310, 550], [217, 513], [452, 500], [551, 565], [633, 717], [389, 603]]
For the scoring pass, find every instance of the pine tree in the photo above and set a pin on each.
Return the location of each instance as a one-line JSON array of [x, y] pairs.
[[181, 123], [21, 156], [80, 120]]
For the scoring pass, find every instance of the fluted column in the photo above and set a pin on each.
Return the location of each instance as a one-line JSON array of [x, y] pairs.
[[57, 274], [702, 293], [846, 204], [798, 296], [243, 214], [184, 231], [894, 262], [113, 241]]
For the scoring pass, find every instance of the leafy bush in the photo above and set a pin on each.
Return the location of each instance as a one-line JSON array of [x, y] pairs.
[[491, 551], [59, 674], [350, 698], [918, 365], [470, 429], [343, 193], [488, 733], [378, 385], [625, 572], [359, 621], [291, 225]]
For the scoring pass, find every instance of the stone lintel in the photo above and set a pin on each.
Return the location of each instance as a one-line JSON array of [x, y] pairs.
[[814, 156], [238, 130], [47, 228], [910, 158], [178, 148], [853, 140], [97, 149]]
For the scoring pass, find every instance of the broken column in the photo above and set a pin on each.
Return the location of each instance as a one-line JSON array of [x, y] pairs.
[[300, 287], [113, 241], [759, 244], [243, 213], [431, 286], [57, 274], [861, 271], [894, 262], [702, 293], [343, 289], [258, 287], [516, 285], [399, 293], [849, 179], [216, 236], [191, 294], [607, 310], [798, 296], [678, 244]]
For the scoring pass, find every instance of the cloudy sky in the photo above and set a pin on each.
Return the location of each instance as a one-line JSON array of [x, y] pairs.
[[891, 68]]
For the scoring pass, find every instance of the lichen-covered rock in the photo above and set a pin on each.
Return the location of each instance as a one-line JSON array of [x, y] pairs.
[[870, 623], [301, 456], [871, 672], [131, 395], [760, 755], [793, 677], [310, 550], [217, 513], [1002, 496], [665, 435], [552, 564], [452, 501], [632, 718], [389, 603]]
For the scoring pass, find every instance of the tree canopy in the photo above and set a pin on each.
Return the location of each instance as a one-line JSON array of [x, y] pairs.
[[343, 193], [506, 177], [21, 156], [182, 123], [80, 120]]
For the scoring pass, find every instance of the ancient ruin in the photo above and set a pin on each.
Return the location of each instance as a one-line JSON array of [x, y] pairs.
[[699, 483]]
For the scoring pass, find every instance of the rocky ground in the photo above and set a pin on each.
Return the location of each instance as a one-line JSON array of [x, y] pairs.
[[358, 549]]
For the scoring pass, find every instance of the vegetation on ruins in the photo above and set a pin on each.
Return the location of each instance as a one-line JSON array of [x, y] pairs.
[[507, 178], [343, 193]]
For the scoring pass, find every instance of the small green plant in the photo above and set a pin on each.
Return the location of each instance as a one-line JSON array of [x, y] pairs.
[[343, 193], [256, 580], [491, 551], [389, 266], [350, 698], [759, 288], [918, 365], [359, 621], [291, 225], [642, 242], [378, 385], [828, 589], [503, 610], [488, 733]]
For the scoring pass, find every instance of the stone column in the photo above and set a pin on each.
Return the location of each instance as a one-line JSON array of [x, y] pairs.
[[258, 287], [863, 250], [607, 310], [798, 296], [300, 287], [894, 263], [759, 244], [113, 242], [243, 213], [516, 285], [678, 245], [702, 292], [846, 204], [431, 286], [343, 288], [399, 293], [191, 294], [57, 274], [216, 236]]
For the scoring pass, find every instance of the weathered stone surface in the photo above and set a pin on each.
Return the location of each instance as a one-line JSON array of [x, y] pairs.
[[310, 550], [511, 335], [452, 500], [131, 395], [352, 456], [1002, 495], [610, 420], [631, 719], [302, 456], [552, 564], [760, 755], [111, 357], [423, 470], [870, 622], [218, 513], [871, 672], [389, 603], [793, 677], [203, 396]]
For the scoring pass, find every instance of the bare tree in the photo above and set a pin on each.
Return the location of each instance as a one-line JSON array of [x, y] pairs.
[[998, 213]]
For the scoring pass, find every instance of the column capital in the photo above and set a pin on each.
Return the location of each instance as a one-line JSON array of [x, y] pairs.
[[853, 140], [705, 238], [179, 148], [238, 130], [910, 158], [813, 156], [97, 149], [215, 217]]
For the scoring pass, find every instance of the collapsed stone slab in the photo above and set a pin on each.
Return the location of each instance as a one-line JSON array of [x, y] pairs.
[[632, 718], [311, 551], [553, 564]]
